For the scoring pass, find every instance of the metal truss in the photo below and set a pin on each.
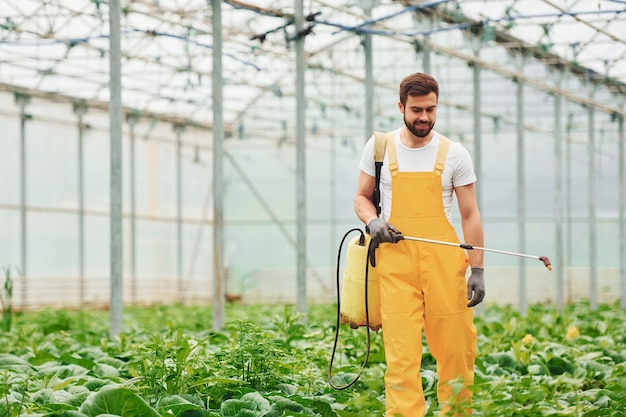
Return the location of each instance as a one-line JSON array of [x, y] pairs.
[[59, 48]]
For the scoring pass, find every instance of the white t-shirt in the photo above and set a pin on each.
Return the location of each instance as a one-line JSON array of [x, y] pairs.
[[458, 170]]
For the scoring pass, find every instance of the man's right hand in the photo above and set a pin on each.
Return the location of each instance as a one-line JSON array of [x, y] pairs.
[[381, 231]]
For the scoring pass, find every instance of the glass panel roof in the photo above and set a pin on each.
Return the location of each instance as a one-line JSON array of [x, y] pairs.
[[60, 47]]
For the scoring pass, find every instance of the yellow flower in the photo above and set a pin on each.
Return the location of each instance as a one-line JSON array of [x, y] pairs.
[[528, 339], [572, 333]]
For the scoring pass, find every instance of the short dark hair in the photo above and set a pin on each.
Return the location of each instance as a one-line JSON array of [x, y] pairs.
[[418, 84]]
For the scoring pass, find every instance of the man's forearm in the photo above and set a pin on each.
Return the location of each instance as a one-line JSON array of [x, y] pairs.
[[364, 209], [473, 234]]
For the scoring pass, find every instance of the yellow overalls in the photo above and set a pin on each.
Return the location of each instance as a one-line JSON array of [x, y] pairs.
[[423, 287]]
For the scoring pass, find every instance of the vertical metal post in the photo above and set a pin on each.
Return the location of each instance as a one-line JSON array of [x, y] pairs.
[[116, 120], [426, 48], [521, 187], [22, 101], [478, 160], [593, 279], [300, 160], [132, 121], [218, 176], [333, 170], [80, 110], [178, 129], [369, 75], [558, 198], [568, 193], [622, 213], [478, 164]]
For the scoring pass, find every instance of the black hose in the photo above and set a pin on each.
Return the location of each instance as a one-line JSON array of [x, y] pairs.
[[367, 318]]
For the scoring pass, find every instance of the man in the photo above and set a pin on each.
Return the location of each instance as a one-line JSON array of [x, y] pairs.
[[423, 285]]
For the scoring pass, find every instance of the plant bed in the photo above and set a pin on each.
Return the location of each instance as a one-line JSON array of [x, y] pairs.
[[270, 362]]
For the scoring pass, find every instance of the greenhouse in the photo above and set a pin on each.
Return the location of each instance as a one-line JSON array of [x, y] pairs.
[[205, 154]]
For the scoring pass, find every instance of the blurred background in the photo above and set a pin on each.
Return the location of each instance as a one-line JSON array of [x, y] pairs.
[[231, 139]]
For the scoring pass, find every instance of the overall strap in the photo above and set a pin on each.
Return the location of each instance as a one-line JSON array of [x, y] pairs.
[[392, 157], [442, 153], [379, 146]]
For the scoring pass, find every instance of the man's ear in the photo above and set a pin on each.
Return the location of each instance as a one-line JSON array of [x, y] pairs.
[[400, 107]]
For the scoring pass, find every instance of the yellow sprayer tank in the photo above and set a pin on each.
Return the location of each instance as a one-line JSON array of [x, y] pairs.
[[352, 300]]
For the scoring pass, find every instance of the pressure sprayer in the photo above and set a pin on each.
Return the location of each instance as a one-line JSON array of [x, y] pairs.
[[358, 303], [357, 298]]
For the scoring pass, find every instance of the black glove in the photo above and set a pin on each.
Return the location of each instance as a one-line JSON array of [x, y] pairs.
[[475, 287], [381, 231]]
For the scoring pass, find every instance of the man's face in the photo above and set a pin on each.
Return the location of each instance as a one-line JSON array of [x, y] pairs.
[[420, 114]]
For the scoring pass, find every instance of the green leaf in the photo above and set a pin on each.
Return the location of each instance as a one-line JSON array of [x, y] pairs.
[[78, 399], [261, 403], [283, 405], [193, 399], [235, 407], [343, 379], [250, 404], [175, 405], [590, 356], [15, 363], [43, 396], [62, 371], [65, 413], [343, 413], [288, 389], [117, 401], [429, 379], [94, 384], [105, 371], [76, 360], [218, 381], [114, 362], [323, 409]]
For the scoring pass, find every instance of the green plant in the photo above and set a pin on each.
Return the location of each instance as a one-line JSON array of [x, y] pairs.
[[253, 356], [168, 363], [6, 298]]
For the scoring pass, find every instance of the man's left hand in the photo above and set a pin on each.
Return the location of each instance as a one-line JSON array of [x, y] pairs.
[[475, 287]]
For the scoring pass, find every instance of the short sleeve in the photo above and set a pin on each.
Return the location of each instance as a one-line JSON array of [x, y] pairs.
[[464, 170], [367, 158]]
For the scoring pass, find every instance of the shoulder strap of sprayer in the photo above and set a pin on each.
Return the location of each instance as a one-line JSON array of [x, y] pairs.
[[380, 144]]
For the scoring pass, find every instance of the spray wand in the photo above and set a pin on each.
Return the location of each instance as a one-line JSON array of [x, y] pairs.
[[543, 259]]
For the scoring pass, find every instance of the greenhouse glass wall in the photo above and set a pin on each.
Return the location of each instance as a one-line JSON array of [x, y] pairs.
[[535, 90]]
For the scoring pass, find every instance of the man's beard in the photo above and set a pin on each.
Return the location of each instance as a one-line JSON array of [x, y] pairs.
[[419, 132]]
